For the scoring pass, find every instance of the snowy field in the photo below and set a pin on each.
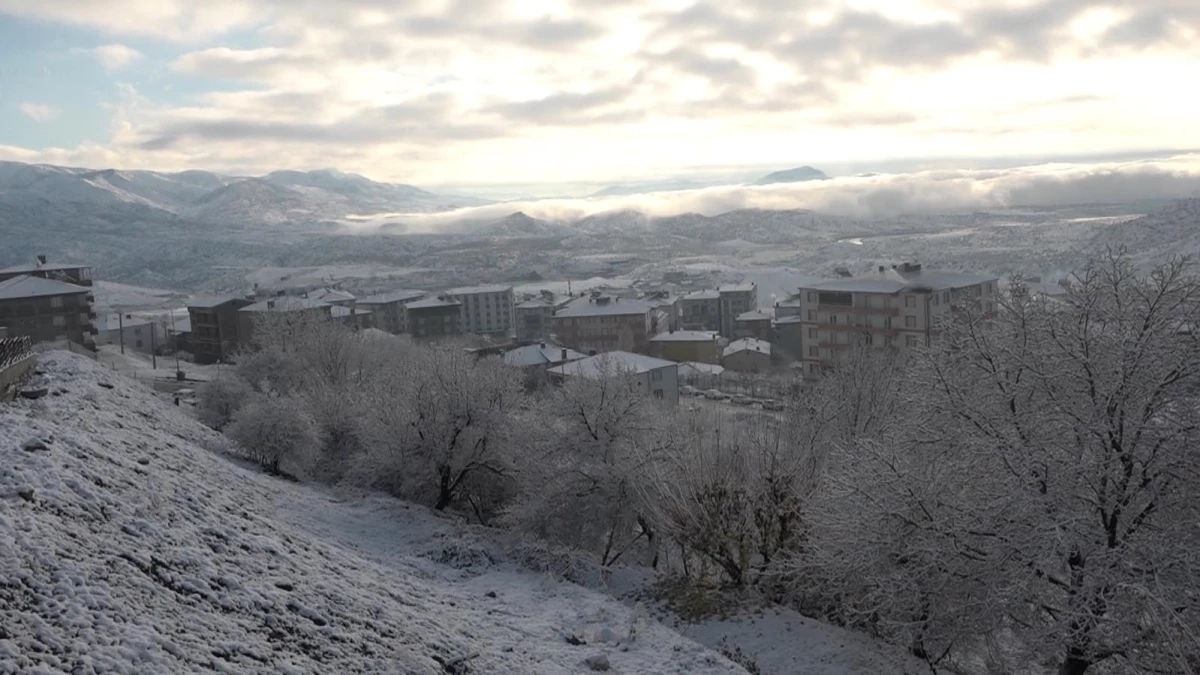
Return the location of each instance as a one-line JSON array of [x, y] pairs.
[[130, 544]]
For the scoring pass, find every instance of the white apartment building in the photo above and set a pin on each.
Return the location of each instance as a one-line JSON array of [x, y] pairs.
[[486, 310], [900, 307]]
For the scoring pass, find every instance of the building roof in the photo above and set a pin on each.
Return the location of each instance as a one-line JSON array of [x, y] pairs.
[[703, 295], [692, 368], [612, 363], [738, 288], [398, 295], [26, 286], [536, 303], [211, 302], [540, 354], [748, 345], [473, 290], [433, 303], [38, 267], [115, 322], [795, 318], [329, 295], [686, 336], [588, 306], [754, 315], [283, 303], [890, 282]]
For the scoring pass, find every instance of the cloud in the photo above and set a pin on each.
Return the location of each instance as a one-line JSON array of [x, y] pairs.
[[38, 112], [880, 196], [116, 56]]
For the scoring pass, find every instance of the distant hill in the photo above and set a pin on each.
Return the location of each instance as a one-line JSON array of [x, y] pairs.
[[644, 188], [797, 175]]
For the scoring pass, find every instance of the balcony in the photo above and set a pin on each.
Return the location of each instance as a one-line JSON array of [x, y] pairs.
[[866, 311]]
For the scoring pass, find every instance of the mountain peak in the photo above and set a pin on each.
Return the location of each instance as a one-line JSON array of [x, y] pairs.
[[796, 175]]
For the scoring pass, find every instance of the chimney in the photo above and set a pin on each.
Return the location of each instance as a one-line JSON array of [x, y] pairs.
[[270, 304], [543, 345], [41, 259], [564, 354], [882, 269]]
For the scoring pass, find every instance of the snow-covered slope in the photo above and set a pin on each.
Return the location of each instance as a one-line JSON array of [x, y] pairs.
[[126, 546]]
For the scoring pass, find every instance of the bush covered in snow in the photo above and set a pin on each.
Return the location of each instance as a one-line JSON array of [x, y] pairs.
[[219, 401], [276, 433]]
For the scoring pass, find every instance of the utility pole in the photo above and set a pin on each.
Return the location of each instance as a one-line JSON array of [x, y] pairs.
[[120, 329], [153, 348], [175, 343]]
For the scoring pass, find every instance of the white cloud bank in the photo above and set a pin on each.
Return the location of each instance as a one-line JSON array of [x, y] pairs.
[[114, 57], [879, 196]]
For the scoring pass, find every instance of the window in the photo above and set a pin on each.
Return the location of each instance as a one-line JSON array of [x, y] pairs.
[[836, 298], [910, 322], [60, 321], [910, 340], [946, 297], [868, 339], [812, 296], [935, 299], [887, 322], [812, 333], [833, 319], [656, 376], [658, 394], [56, 301], [888, 341], [813, 351], [910, 301]]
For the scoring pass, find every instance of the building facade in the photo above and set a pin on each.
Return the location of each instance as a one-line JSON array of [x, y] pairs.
[[753, 324], [132, 332], [283, 310], [686, 345], [389, 309], [533, 320], [434, 318], [899, 308], [486, 310], [47, 310], [599, 323], [215, 328], [748, 355], [717, 310]]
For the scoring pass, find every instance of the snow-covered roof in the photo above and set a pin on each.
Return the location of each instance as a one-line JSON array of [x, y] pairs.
[[541, 354], [283, 303], [910, 282], [612, 363], [329, 295], [686, 336], [210, 302], [589, 306], [374, 334], [399, 295], [692, 368], [36, 287], [738, 288], [754, 315], [475, 290], [703, 295], [38, 267], [432, 303], [538, 303], [748, 345]]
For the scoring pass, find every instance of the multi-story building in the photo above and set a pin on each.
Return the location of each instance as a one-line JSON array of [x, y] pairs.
[[215, 328], [717, 310], [434, 318], [753, 324], [898, 308], [282, 309], [389, 309], [789, 337], [599, 323], [79, 275], [47, 310], [686, 345], [533, 317], [667, 305], [486, 310], [658, 378]]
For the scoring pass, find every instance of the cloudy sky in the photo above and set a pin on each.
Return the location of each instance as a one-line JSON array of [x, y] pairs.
[[541, 91]]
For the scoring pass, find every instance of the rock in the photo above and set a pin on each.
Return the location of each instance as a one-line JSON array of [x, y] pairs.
[[26, 494], [490, 594], [105, 385], [143, 461], [608, 635], [34, 445], [284, 585], [32, 394], [598, 663], [574, 639]]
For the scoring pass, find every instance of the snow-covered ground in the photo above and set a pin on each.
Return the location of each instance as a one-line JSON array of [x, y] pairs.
[[130, 543]]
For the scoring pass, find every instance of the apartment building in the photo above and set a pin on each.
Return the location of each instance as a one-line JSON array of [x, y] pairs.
[[599, 323], [753, 324], [899, 307], [78, 275], [215, 333], [434, 318], [284, 309], [486, 310], [717, 310], [658, 378], [47, 310], [533, 318], [686, 345], [389, 309]]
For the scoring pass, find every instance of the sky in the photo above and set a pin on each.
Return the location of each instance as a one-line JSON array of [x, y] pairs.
[[484, 92]]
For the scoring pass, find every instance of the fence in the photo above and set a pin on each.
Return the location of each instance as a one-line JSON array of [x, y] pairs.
[[14, 350], [745, 384]]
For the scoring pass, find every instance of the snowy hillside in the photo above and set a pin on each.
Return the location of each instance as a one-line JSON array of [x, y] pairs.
[[126, 546]]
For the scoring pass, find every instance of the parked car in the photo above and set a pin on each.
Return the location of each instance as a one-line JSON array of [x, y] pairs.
[[687, 390], [715, 395], [742, 400]]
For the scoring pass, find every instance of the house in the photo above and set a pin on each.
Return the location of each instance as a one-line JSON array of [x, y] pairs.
[[755, 324], [287, 308], [433, 318], [600, 323], [686, 345], [899, 308], [540, 355], [748, 355], [389, 309], [717, 310], [658, 378], [486, 310], [216, 329], [131, 331], [78, 275], [47, 310]]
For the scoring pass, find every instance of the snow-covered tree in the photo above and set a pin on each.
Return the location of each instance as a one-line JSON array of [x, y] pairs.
[[220, 399], [1043, 493], [276, 433]]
